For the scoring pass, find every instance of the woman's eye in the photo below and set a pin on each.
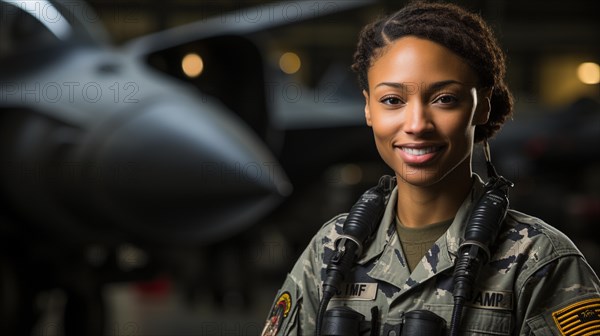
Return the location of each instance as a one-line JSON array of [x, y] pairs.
[[446, 99], [391, 100]]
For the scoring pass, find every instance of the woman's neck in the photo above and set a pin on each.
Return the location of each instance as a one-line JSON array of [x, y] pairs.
[[419, 206]]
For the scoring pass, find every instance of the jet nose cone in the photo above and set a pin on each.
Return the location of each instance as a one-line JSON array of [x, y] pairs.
[[176, 171]]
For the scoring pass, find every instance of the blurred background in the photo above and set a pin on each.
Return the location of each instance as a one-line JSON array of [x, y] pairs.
[[164, 163]]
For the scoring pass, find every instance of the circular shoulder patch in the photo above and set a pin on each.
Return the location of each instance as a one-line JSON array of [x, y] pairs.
[[285, 301], [281, 309]]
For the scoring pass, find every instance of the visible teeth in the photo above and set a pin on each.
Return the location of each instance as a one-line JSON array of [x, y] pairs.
[[419, 151]]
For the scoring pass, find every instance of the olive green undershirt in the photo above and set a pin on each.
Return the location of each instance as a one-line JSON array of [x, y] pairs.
[[417, 241]]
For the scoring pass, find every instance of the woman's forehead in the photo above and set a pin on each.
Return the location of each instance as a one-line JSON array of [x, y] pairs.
[[410, 59]]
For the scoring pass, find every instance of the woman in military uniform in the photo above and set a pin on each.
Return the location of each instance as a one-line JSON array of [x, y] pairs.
[[433, 80]]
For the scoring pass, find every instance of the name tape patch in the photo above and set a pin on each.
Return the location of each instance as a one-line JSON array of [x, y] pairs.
[[581, 318], [500, 300], [357, 291]]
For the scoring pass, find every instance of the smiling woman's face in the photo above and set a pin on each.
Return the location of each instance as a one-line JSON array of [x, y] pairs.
[[423, 105]]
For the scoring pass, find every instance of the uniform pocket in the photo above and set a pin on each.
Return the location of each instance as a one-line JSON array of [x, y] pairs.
[[362, 307], [477, 321]]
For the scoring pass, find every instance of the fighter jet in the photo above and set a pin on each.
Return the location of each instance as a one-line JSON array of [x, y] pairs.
[[105, 155]]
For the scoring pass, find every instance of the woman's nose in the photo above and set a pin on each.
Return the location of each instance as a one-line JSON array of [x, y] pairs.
[[417, 120]]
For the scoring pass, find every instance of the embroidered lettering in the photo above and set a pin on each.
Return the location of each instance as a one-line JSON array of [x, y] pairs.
[[356, 291], [492, 300]]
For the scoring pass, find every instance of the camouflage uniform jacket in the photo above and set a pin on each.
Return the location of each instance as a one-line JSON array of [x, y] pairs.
[[536, 283]]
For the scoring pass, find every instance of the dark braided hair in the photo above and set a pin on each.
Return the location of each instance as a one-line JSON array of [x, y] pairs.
[[463, 32]]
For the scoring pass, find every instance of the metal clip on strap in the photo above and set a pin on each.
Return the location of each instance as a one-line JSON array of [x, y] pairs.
[[342, 239], [485, 249]]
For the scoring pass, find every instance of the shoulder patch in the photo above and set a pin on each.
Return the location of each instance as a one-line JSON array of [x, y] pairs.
[[280, 311], [581, 318]]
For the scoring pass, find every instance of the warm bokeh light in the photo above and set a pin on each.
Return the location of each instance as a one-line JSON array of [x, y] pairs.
[[192, 65], [567, 78], [589, 73], [351, 174], [289, 63]]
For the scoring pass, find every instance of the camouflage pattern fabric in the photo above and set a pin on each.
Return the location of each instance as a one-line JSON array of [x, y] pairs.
[[536, 283]]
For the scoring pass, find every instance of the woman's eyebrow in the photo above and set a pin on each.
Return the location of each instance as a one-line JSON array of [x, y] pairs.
[[439, 85], [395, 85]]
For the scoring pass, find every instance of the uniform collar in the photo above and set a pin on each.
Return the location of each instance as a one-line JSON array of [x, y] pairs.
[[391, 266]]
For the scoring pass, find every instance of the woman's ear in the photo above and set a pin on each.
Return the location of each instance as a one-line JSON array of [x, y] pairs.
[[367, 112], [484, 106]]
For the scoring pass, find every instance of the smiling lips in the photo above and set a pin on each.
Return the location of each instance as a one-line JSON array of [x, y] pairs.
[[418, 154]]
